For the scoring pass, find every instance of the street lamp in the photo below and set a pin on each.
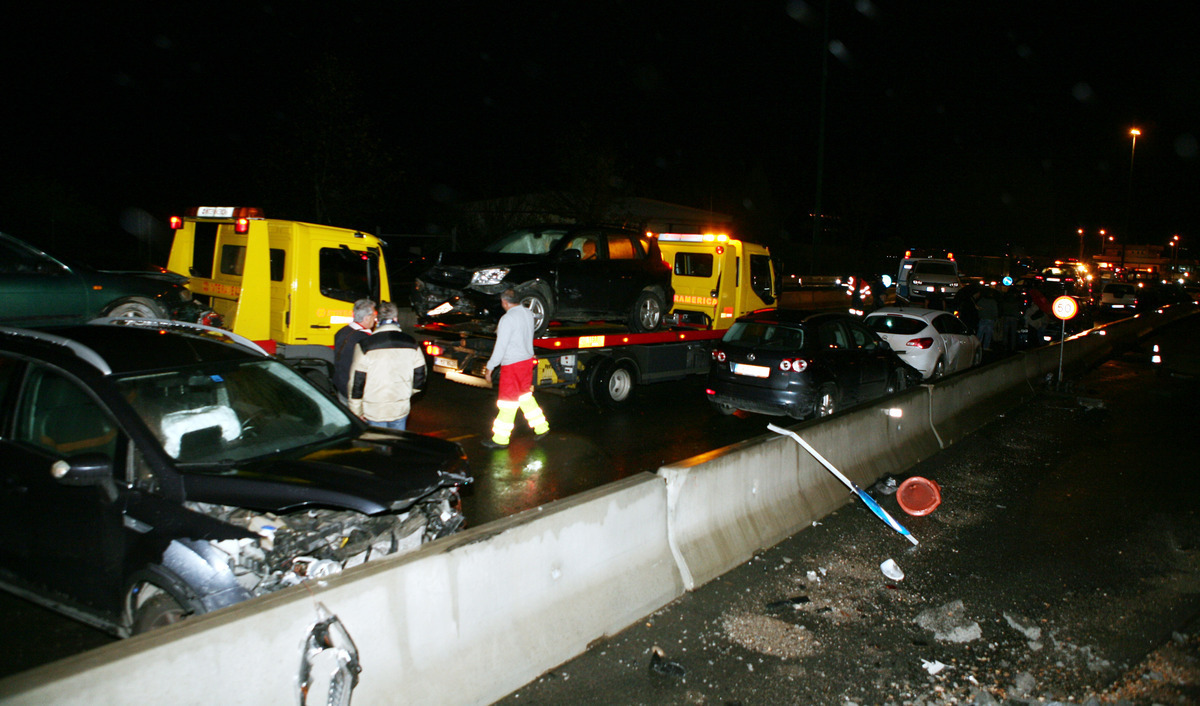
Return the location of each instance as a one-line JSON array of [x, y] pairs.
[[1133, 132], [1080, 245]]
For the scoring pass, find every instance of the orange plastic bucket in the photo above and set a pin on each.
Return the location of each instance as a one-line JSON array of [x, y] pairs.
[[918, 496]]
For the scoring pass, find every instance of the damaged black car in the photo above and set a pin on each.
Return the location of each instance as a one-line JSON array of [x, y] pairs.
[[567, 273], [155, 470]]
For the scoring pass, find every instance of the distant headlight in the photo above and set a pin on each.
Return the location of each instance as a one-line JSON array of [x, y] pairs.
[[492, 275]]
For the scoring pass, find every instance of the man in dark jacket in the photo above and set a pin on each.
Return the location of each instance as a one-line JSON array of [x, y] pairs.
[[344, 341]]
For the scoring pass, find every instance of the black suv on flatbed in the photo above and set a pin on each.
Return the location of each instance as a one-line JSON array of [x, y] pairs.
[[561, 272]]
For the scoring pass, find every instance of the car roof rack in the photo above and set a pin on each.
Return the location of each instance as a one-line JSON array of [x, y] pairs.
[[184, 327], [81, 351]]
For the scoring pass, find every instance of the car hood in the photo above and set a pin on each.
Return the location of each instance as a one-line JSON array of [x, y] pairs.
[[375, 472]]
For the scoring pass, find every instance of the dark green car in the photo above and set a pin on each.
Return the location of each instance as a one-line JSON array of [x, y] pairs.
[[38, 290]]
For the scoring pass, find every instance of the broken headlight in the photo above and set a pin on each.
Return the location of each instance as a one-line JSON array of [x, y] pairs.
[[490, 275]]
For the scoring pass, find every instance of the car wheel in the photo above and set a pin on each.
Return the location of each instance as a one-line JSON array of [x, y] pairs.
[[898, 382], [978, 357], [612, 383], [647, 313], [136, 308], [826, 401], [538, 304], [939, 370], [151, 607]]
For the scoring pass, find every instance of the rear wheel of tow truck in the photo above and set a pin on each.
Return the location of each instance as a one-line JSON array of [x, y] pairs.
[[647, 314], [612, 382], [538, 303]]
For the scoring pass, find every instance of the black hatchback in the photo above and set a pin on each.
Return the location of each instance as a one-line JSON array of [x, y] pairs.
[[154, 470], [802, 364], [571, 273]]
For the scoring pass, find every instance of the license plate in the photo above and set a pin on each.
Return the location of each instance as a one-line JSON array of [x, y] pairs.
[[1118, 306], [446, 363], [754, 371]]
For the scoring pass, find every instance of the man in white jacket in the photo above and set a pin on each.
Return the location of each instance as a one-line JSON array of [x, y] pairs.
[[388, 369]]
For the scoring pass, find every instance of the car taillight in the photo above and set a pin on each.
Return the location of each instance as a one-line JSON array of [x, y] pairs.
[[921, 343], [718, 355], [432, 349], [797, 365]]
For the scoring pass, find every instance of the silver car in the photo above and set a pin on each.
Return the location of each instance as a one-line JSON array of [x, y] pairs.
[[933, 341]]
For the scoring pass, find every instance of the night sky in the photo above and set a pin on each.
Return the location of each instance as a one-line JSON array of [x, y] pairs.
[[983, 127]]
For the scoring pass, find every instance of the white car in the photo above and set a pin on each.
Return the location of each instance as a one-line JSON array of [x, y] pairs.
[[935, 342]]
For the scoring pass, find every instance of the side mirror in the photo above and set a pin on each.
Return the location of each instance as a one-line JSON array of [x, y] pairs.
[[85, 470], [570, 255]]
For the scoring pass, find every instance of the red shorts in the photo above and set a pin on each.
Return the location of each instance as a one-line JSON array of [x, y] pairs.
[[516, 379]]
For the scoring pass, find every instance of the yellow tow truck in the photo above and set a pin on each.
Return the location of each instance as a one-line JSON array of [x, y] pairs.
[[287, 285], [716, 279]]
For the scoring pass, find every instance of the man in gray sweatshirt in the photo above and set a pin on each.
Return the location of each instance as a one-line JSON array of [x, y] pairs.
[[513, 355]]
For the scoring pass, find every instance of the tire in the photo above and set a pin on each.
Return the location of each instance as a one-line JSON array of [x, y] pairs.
[[826, 401], [612, 383], [154, 611], [939, 370], [136, 308], [897, 383], [648, 311], [978, 357], [538, 303]]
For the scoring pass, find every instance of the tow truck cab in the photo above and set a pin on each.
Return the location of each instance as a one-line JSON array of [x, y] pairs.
[[286, 285], [716, 278]]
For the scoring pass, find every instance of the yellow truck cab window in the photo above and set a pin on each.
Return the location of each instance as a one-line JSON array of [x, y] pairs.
[[693, 264], [348, 275]]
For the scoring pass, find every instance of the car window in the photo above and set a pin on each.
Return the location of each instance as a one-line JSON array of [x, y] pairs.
[[17, 260], [894, 323], [588, 245], [860, 336], [58, 415], [831, 335], [623, 246], [947, 323], [760, 277]]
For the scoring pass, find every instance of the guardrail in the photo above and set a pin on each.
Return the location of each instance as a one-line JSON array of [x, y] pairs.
[[472, 617]]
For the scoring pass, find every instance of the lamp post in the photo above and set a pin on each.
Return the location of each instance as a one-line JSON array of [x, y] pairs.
[[1133, 132], [1080, 231]]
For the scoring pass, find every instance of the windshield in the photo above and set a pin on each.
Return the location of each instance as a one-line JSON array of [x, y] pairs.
[[222, 413], [945, 269], [766, 336], [527, 242]]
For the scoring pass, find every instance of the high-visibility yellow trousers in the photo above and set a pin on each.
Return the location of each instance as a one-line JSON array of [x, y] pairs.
[[506, 417]]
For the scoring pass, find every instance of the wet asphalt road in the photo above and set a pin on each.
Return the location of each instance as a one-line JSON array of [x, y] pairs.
[[1066, 548]]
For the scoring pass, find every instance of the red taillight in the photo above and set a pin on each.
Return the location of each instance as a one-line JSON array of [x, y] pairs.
[[718, 355], [796, 365], [921, 343], [241, 225], [433, 349], [176, 222]]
